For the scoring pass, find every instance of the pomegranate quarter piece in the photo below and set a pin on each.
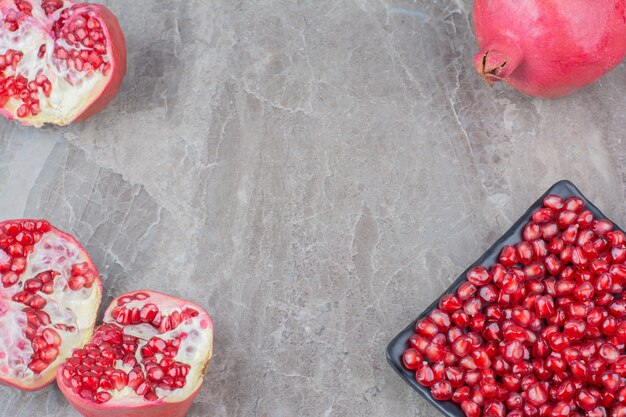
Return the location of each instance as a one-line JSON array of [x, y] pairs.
[[60, 61], [49, 297], [148, 359]]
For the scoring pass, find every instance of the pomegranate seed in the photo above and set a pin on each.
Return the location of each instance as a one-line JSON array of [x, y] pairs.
[[543, 215], [426, 327], [531, 232], [425, 376], [508, 256], [537, 394], [412, 359], [524, 252], [479, 276], [554, 202], [441, 391], [441, 320]]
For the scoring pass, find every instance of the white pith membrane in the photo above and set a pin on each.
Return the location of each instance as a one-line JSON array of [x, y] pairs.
[[195, 350], [72, 90], [75, 309]]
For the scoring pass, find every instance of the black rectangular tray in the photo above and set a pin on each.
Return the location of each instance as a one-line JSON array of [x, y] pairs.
[[399, 343]]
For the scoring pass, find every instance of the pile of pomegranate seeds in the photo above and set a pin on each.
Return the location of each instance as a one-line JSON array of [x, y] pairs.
[[542, 333]]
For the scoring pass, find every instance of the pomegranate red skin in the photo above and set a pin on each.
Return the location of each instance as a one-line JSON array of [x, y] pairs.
[[118, 62], [163, 409], [548, 49], [98, 282]]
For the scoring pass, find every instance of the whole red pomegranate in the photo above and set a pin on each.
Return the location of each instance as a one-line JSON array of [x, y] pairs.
[[548, 48], [49, 297], [60, 61], [149, 358]]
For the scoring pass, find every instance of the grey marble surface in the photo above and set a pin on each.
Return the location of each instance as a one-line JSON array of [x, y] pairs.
[[313, 173]]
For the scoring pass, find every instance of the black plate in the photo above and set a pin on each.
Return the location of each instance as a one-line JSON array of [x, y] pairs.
[[514, 235]]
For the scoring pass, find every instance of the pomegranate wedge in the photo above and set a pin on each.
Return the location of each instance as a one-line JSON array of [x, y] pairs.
[[60, 61], [148, 358], [49, 297]]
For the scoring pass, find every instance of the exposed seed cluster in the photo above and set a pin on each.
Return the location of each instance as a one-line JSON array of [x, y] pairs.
[[113, 360], [80, 45]]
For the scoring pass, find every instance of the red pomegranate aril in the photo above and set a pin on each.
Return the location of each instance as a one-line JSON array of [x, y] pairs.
[[553, 265], [488, 293], [566, 254], [462, 346], [585, 240], [535, 286], [441, 319], [508, 256], [435, 352], [531, 232], [554, 202], [441, 391], [570, 234], [585, 220], [544, 306], [549, 231], [535, 271], [425, 376], [511, 283], [574, 204], [609, 353], [470, 408], [565, 219], [473, 306], [575, 328], [460, 318], [411, 359], [466, 290], [616, 238], [537, 394], [461, 394], [543, 215], [601, 227], [524, 252], [556, 246], [426, 327], [481, 359], [479, 276], [564, 391], [448, 303], [586, 400], [454, 375]]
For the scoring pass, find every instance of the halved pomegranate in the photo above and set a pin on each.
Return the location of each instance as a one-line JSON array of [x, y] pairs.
[[148, 358], [49, 297], [60, 61]]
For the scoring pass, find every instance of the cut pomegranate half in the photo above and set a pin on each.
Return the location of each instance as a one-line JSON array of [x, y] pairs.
[[148, 358], [49, 297], [60, 61]]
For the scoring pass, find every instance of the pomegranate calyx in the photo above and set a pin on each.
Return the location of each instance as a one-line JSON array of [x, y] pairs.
[[497, 60]]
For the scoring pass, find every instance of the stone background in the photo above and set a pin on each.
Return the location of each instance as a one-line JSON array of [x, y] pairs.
[[313, 173]]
